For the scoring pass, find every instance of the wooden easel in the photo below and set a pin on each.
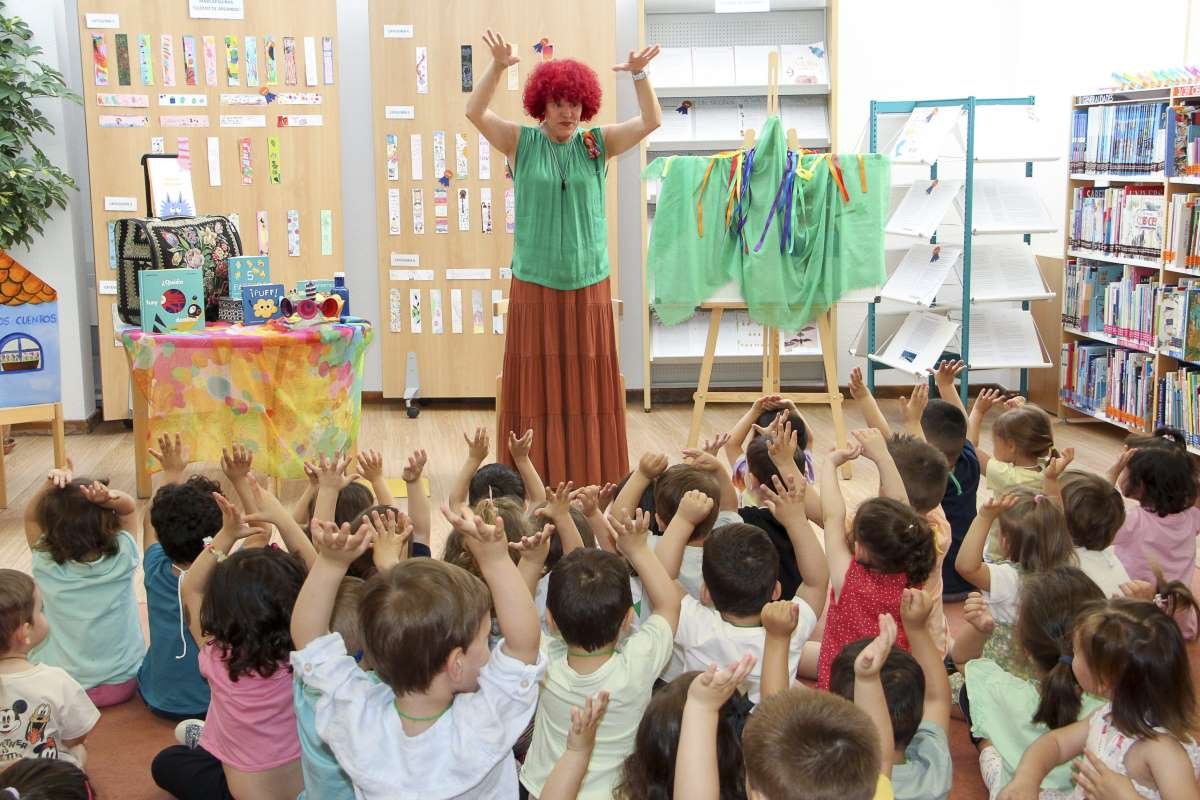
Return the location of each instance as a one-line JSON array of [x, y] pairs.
[[43, 412], [826, 326]]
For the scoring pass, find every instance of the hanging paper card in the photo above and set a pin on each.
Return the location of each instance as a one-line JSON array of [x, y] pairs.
[[123, 100], [415, 156], [122, 41], [183, 121], [112, 244], [100, 59], [214, 161], [435, 310], [476, 311], [264, 241], [123, 121], [269, 50], [273, 165], [414, 310], [327, 58], [183, 147], [485, 209], [497, 317], [167, 51], [460, 156], [299, 121], [441, 211], [395, 311], [210, 60], [513, 79], [189, 60], [145, 67], [439, 153], [468, 79], [410, 274], [232, 68], [243, 121], [158, 144], [422, 70], [456, 311], [247, 168], [326, 232], [310, 60], [485, 158], [102, 20], [393, 196], [297, 99], [293, 230], [418, 210], [183, 100], [236, 221], [510, 210], [232, 99], [469, 274], [289, 60], [393, 157], [251, 45], [505, 273], [399, 112], [464, 210], [120, 203], [397, 31], [405, 260]]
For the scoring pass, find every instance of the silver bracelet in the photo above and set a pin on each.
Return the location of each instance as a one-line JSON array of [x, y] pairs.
[[640, 75]]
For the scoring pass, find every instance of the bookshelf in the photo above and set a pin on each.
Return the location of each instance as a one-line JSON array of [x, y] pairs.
[[1131, 299], [724, 103]]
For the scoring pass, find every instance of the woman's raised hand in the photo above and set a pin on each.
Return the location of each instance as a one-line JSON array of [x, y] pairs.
[[637, 61], [502, 52]]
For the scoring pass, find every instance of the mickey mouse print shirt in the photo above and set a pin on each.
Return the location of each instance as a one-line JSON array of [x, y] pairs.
[[42, 708]]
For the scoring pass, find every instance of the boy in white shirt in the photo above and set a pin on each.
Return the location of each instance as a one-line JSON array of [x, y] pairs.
[[443, 722], [590, 607], [741, 575]]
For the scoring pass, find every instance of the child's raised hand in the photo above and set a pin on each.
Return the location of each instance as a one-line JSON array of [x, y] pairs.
[[269, 508], [331, 472], [370, 465], [780, 618], [96, 493], [236, 461], [986, 399], [786, 501], [170, 454], [632, 532], [392, 530], [585, 721], [1057, 466], [61, 476], [914, 404], [340, 545], [537, 546], [977, 614], [414, 467], [1138, 590], [651, 465], [858, 388], [874, 446], [840, 456], [558, 501], [587, 498], [713, 446], [995, 506], [947, 372], [783, 445], [773, 428], [519, 448], [915, 607], [702, 460], [478, 446], [486, 542], [1016, 401], [310, 472], [716, 684], [608, 493], [695, 506], [870, 660], [233, 524], [768, 402]]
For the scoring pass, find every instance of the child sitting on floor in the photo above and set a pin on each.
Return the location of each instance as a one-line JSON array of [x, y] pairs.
[[475, 482], [1094, 512]]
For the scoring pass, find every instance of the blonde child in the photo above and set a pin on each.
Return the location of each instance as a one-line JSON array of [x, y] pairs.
[[84, 555]]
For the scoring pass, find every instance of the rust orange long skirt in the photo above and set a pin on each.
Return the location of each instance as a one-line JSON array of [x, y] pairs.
[[562, 379]]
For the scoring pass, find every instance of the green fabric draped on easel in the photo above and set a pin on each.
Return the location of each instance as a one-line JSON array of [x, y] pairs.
[[794, 246]]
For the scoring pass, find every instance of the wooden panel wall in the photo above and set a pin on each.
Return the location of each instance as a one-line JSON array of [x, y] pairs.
[[310, 157]]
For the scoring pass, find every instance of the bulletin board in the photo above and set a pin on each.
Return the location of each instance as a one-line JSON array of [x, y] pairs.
[[425, 276], [297, 184]]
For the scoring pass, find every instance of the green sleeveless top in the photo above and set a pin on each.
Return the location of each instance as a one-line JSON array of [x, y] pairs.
[[561, 238]]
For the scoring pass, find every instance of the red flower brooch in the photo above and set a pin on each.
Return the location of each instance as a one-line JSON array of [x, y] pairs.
[[589, 140]]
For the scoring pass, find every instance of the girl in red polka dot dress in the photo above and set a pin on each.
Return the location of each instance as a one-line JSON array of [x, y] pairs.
[[889, 547]]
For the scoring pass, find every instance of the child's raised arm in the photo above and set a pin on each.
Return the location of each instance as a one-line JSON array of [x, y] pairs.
[[331, 479], [782, 450], [534, 551], [55, 479], [740, 430], [195, 581], [913, 407], [944, 376], [1050, 750], [979, 409], [589, 500], [833, 513], [236, 462], [535, 490], [649, 467], [969, 562], [874, 447], [370, 467], [969, 639], [870, 407], [633, 535], [173, 459], [696, 773], [515, 611], [568, 774], [712, 465], [419, 510], [868, 689], [786, 504], [558, 511], [314, 605], [390, 541], [1054, 472], [309, 495], [116, 501], [694, 508], [915, 607], [779, 620], [271, 511], [478, 448]]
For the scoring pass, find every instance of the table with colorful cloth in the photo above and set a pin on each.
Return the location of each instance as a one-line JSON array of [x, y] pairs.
[[287, 394]]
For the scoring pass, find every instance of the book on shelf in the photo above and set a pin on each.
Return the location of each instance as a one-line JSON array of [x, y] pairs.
[[1102, 379], [803, 64], [918, 344], [1177, 406], [672, 67], [1181, 244], [1185, 155], [920, 140], [1008, 205], [713, 66], [1118, 220], [750, 64], [921, 273], [923, 208], [1084, 285], [1121, 139]]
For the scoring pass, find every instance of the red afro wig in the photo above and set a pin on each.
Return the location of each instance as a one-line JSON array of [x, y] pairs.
[[562, 79]]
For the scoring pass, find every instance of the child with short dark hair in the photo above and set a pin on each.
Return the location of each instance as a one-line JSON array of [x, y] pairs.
[[46, 779], [762, 414], [476, 482], [1095, 512], [425, 626]]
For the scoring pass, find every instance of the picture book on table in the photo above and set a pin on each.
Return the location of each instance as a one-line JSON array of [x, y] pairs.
[[171, 299], [170, 182], [260, 302], [245, 270]]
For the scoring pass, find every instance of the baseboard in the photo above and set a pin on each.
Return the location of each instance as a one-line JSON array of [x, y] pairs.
[[683, 396], [73, 427]]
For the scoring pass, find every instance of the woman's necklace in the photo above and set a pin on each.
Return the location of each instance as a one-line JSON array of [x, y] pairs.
[[562, 173]]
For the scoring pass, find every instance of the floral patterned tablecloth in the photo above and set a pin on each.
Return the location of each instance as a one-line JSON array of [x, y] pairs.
[[288, 395]]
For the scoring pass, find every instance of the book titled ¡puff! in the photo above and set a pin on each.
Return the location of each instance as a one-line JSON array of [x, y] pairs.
[[260, 302], [245, 270], [172, 300]]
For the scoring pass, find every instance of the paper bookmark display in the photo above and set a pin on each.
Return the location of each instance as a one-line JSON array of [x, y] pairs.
[[418, 210], [242, 99], [122, 42], [299, 121], [326, 232], [123, 121], [167, 57], [497, 317], [183, 121], [273, 161], [485, 209], [435, 311], [327, 58], [210, 60], [145, 65], [477, 311], [189, 60], [250, 44], [243, 120], [422, 70], [456, 311], [465, 68], [393, 156], [272, 77], [415, 156], [235, 220], [414, 310], [510, 210], [214, 161], [461, 168], [514, 82], [395, 311], [393, 197], [485, 158], [464, 210], [289, 60], [247, 170], [112, 244], [192, 100], [183, 147], [232, 69], [100, 59], [293, 231], [310, 60], [123, 100], [441, 211], [264, 239], [439, 153], [158, 145]]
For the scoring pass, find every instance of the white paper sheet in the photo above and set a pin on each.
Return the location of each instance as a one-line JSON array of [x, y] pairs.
[[1009, 205], [923, 208], [919, 342], [920, 274], [750, 64], [1005, 272], [712, 66], [671, 67], [1004, 338], [920, 140]]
